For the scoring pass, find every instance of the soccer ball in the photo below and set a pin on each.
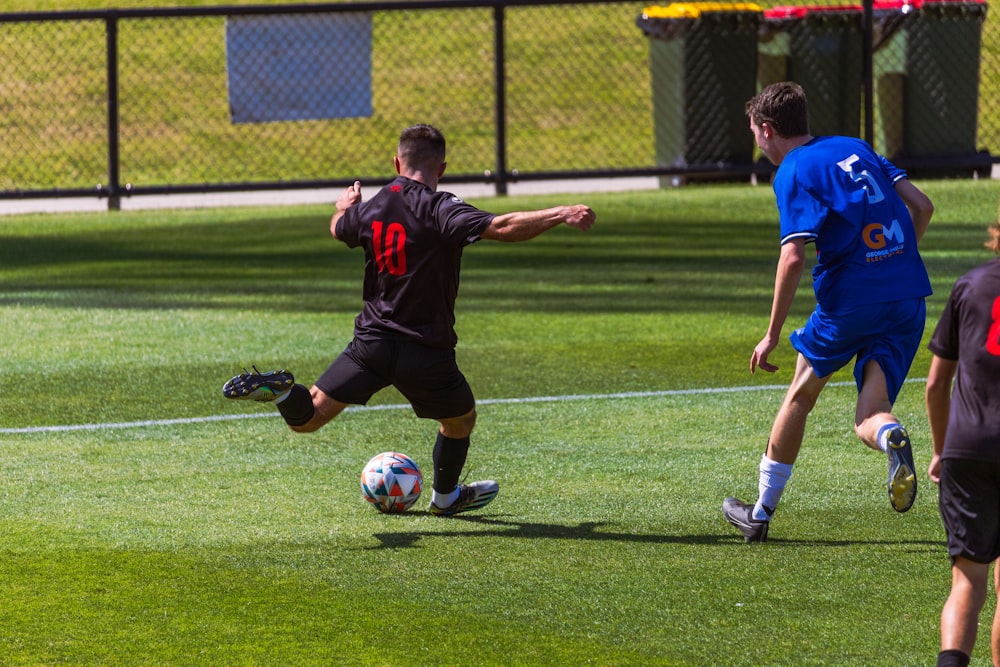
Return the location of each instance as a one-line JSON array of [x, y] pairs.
[[391, 482]]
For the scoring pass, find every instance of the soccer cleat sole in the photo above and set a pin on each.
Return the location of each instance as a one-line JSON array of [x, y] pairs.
[[257, 386], [902, 484], [902, 489]]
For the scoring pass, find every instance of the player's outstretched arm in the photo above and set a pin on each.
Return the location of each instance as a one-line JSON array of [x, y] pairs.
[[524, 225]]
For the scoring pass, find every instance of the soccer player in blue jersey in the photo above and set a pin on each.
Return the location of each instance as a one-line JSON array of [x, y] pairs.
[[965, 430], [412, 237], [864, 218]]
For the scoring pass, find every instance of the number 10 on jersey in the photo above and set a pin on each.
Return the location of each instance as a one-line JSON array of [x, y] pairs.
[[389, 245]]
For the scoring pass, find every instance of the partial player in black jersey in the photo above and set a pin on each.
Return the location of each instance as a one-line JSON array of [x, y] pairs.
[[412, 237], [963, 407]]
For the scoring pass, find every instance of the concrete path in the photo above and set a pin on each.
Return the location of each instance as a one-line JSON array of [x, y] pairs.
[[579, 186]]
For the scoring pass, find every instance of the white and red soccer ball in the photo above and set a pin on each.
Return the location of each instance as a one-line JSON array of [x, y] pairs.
[[391, 482]]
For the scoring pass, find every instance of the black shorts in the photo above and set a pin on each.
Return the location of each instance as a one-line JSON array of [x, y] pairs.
[[428, 377], [969, 500]]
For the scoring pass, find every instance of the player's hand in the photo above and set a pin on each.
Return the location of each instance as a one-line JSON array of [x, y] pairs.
[[349, 197], [934, 470], [579, 216], [759, 357]]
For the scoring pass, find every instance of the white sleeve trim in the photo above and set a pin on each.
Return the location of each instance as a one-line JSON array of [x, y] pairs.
[[808, 236]]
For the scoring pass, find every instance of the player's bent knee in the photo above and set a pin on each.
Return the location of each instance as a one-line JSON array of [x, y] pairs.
[[459, 427]]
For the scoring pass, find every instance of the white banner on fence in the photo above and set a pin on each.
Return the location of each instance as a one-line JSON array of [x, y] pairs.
[[299, 67]]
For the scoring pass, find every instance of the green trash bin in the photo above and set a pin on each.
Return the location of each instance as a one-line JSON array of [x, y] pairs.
[[890, 21], [926, 76], [820, 48], [703, 61], [773, 44]]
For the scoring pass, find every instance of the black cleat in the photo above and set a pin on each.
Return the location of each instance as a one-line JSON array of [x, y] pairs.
[[470, 497], [257, 386], [740, 515], [902, 471]]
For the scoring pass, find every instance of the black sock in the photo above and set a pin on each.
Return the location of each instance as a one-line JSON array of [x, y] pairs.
[[952, 658], [297, 407], [449, 459]]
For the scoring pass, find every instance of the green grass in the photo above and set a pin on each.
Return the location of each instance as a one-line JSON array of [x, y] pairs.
[[191, 540]]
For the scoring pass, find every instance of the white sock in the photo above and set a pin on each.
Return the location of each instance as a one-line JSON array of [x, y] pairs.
[[773, 478], [882, 438], [444, 499]]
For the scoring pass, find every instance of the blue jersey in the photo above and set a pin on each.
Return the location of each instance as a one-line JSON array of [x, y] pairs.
[[838, 193]]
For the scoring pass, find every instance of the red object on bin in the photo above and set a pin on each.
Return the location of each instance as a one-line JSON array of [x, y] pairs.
[[798, 11], [909, 5], [785, 13]]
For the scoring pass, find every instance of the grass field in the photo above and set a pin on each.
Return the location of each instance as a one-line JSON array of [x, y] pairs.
[[146, 520]]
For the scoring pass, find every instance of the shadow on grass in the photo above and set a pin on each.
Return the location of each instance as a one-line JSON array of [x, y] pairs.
[[292, 264], [714, 253], [589, 531]]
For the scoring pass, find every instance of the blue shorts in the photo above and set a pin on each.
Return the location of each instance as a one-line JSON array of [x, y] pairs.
[[888, 333]]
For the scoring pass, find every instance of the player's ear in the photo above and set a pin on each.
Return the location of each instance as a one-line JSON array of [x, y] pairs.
[[396, 163], [444, 165]]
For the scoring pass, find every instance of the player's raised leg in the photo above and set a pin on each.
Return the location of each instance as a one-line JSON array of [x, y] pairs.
[[304, 410], [880, 429]]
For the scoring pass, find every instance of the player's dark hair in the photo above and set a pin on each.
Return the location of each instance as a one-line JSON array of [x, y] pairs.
[[422, 146], [783, 106]]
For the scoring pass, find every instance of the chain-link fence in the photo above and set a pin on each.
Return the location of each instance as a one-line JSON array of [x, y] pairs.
[[118, 102]]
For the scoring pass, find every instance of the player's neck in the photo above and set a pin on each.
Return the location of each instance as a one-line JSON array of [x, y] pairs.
[[788, 144], [428, 179]]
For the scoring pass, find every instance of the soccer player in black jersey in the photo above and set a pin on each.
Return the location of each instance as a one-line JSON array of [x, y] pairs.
[[965, 430], [413, 237]]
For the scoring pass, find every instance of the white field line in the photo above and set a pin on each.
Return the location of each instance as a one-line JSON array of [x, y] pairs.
[[399, 406]]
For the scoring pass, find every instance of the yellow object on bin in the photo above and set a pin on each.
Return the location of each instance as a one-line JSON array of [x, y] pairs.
[[693, 10]]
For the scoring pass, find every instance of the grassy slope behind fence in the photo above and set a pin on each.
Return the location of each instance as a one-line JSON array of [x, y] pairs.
[[68, 67], [162, 130], [241, 543]]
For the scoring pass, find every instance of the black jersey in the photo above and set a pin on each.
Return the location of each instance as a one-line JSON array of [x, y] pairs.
[[413, 239], [969, 332]]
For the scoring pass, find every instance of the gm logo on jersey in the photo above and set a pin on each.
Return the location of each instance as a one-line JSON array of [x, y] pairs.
[[877, 237], [883, 242]]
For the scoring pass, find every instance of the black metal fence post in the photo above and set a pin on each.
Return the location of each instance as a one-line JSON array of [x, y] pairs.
[[114, 172], [867, 77], [500, 87]]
